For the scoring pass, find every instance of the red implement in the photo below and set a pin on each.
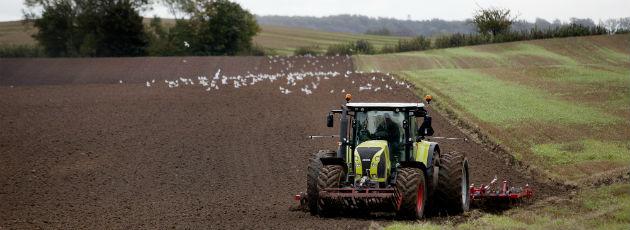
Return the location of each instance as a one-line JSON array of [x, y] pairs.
[[503, 193]]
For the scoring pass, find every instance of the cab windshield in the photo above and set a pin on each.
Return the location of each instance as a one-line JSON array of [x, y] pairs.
[[379, 125]]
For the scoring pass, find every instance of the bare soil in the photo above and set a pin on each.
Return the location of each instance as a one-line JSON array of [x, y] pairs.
[[80, 150]]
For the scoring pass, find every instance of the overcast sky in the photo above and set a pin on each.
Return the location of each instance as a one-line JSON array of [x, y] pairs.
[[402, 9]]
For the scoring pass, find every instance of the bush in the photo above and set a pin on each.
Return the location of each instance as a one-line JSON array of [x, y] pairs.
[[456, 40], [307, 50], [363, 47], [340, 49], [570, 30], [416, 44], [21, 51], [257, 50], [358, 47], [388, 49]]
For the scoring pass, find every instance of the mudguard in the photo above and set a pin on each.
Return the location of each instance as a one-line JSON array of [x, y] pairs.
[[425, 151]]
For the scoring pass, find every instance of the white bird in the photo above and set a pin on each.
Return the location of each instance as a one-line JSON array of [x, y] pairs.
[[216, 75], [186, 44]]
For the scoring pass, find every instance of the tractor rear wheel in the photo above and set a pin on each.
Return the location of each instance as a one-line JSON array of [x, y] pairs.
[[410, 193], [329, 177], [452, 195], [314, 166]]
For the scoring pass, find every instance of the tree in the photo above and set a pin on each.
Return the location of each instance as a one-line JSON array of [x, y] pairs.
[[57, 32], [89, 27], [215, 27], [121, 31], [493, 21]]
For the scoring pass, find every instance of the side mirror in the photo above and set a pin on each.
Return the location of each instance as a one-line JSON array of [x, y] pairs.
[[426, 129], [329, 120], [420, 113]]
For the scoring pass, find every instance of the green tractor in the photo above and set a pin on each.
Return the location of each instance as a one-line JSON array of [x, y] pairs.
[[385, 164]]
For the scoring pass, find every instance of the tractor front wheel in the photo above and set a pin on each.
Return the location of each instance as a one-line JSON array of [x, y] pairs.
[[314, 166], [410, 193], [329, 177]]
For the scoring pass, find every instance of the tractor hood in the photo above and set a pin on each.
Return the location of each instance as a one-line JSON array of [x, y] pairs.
[[373, 144], [371, 159]]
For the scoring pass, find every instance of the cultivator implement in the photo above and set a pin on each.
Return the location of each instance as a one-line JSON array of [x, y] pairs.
[[375, 199], [381, 199], [499, 194]]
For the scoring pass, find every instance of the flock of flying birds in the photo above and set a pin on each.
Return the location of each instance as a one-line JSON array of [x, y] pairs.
[[303, 77]]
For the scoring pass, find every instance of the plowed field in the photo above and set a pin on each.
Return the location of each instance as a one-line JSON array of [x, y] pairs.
[[126, 143]]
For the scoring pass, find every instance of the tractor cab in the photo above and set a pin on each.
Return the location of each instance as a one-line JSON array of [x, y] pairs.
[[379, 136]]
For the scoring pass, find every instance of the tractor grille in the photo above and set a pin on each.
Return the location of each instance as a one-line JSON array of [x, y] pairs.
[[366, 154]]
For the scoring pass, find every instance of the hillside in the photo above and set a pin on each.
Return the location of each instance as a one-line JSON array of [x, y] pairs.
[[559, 105], [283, 40], [286, 39]]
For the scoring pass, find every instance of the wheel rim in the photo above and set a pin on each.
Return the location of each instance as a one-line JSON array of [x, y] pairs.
[[420, 198]]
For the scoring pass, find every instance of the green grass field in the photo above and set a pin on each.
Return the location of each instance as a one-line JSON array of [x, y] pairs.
[[561, 105], [281, 40], [606, 207]]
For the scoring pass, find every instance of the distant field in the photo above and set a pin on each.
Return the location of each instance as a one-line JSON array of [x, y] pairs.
[[286, 39], [16, 33], [283, 40], [560, 105]]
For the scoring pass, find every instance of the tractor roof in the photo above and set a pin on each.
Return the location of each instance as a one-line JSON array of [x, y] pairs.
[[384, 105]]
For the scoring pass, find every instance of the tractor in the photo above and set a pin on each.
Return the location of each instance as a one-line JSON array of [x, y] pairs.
[[385, 164]]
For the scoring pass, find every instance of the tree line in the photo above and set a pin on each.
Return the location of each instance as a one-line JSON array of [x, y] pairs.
[[359, 24], [492, 25], [114, 28]]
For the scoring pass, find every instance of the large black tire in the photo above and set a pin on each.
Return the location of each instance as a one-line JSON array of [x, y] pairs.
[[452, 195], [314, 166], [410, 193], [329, 177]]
